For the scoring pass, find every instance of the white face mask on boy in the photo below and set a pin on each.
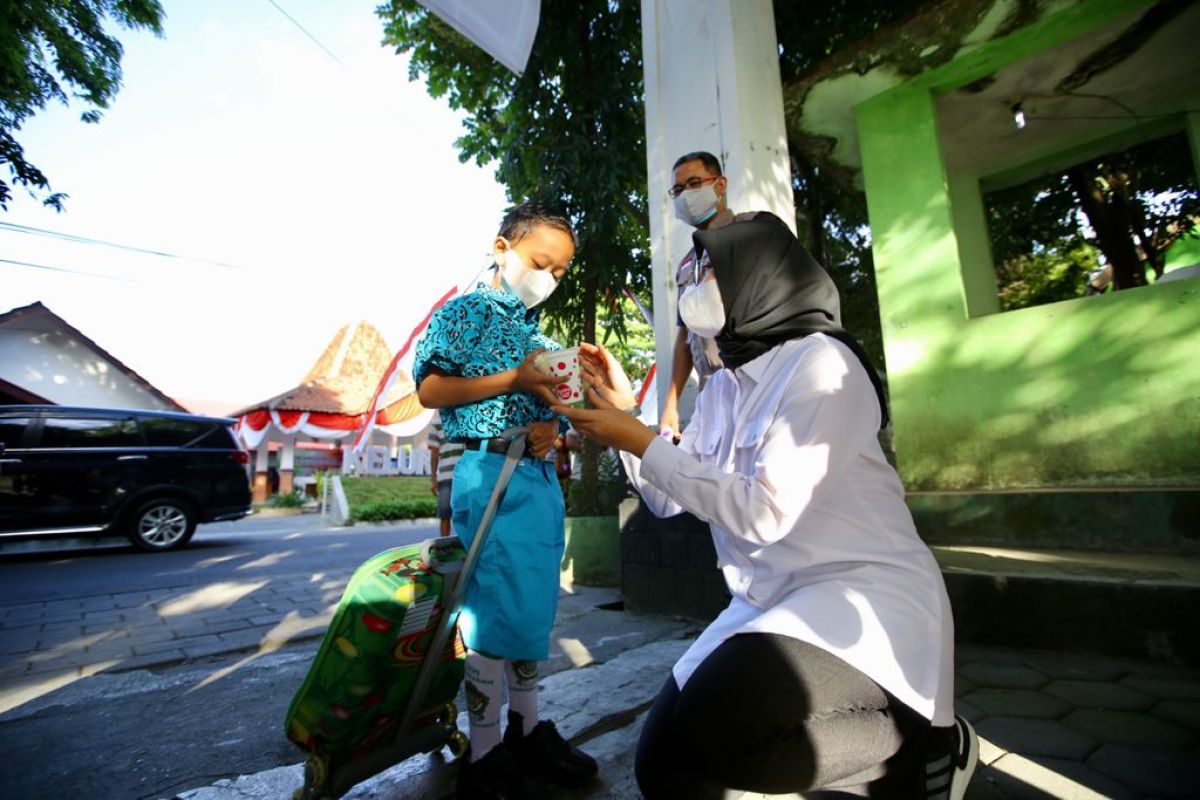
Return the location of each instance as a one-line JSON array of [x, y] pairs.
[[701, 308], [531, 286]]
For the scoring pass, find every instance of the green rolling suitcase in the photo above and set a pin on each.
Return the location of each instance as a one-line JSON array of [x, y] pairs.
[[383, 683]]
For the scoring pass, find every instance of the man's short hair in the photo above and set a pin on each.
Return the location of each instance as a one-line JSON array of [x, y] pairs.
[[706, 158], [520, 221]]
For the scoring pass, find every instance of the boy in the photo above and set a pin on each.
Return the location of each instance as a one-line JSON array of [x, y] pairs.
[[476, 364]]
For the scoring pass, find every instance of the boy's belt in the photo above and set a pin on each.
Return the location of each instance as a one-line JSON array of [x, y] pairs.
[[492, 446]]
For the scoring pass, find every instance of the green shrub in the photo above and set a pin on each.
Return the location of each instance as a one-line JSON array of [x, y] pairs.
[[285, 500], [384, 510]]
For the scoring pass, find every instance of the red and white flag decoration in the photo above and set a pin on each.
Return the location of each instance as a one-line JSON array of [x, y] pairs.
[[403, 360]]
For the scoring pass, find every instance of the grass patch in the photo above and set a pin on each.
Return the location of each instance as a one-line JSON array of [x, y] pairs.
[[378, 499]]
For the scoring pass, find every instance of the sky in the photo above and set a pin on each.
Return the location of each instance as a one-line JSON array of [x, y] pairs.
[[304, 191]]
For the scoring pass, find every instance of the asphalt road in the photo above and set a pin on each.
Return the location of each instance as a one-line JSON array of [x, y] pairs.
[[151, 733], [242, 550]]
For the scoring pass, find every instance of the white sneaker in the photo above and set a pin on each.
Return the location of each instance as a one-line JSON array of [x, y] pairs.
[[946, 778]]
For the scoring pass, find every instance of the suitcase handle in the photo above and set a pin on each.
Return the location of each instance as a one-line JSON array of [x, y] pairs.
[[516, 449]]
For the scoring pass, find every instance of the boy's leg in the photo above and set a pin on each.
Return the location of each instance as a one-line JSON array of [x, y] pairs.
[[538, 746], [485, 695], [522, 692]]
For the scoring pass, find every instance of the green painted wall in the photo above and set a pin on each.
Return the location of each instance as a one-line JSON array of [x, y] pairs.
[[1095, 392]]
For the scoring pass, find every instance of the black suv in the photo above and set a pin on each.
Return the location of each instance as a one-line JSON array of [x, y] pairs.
[[150, 475]]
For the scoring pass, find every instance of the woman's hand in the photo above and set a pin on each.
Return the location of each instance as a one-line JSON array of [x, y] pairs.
[[542, 436], [608, 426], [603, 371], [532, 380]]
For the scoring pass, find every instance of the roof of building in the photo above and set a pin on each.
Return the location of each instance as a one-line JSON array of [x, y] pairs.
[[344, 377], [37, 316]]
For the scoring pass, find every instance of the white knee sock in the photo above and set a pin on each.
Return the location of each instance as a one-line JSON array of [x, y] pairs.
[[523, 691], [485, 695]]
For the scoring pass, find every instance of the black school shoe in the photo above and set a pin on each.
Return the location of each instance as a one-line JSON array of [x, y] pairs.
[[947, 776], [496, 776], [547, 755]]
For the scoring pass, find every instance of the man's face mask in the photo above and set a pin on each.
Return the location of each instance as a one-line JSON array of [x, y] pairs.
[[531, 286], [697, 206], [701, 308]]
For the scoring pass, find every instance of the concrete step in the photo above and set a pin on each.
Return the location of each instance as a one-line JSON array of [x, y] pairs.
[[1136, 605]]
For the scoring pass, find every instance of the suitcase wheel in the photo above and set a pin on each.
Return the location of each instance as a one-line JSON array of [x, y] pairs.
[[458, 744], [316, 773]]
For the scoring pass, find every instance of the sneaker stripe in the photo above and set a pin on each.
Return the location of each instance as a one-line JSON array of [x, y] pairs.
[[939, 765], [939, 782]]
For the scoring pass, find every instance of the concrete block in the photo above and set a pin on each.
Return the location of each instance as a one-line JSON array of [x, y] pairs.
[[1000, 675], [1036, 737], [989, 751], [1076, 667], [1019, 778], [1167, 688], [1099, 694], [967, 711], [169, 642], [1152, 772], [1184, 713], [1127, 727], [1017, 703]]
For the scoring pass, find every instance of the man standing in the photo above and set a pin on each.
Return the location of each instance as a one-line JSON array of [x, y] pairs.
[[699, 192], [444, 456]]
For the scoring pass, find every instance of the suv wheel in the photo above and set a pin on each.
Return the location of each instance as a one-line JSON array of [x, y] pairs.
[[163, 524]]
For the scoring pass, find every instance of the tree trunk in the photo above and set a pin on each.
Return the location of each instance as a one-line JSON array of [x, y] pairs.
[[1112, 230], [814, 212]]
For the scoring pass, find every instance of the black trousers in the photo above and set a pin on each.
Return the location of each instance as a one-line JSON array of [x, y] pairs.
[[772, 714]]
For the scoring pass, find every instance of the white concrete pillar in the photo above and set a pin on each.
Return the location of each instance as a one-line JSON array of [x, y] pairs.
[[287, 464], [712, 83]]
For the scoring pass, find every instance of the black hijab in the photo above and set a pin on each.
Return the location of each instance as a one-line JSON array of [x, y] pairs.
[[773, 291]]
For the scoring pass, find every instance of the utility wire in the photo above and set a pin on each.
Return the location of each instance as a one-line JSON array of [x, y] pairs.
[[70, 237], [315, 40], [64, 269]]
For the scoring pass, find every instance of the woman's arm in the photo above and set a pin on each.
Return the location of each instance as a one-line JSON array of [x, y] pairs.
[[828, 412]]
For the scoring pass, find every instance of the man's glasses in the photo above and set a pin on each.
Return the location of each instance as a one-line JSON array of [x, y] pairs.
[[690, 184]]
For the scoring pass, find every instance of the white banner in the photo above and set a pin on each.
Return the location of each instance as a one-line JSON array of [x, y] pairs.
[[504, 29]]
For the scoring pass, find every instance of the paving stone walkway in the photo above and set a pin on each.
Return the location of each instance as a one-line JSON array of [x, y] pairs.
[[1053, 725]]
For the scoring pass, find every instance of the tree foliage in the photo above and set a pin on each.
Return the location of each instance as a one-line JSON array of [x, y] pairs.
[[49, 48], [831, 213], [570, 132], [1128, 207]]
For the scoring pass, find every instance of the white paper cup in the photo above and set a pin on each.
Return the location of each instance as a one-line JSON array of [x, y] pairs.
[[564, 365]]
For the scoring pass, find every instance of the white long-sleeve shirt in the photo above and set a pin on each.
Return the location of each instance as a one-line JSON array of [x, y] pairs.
[[809, 521]]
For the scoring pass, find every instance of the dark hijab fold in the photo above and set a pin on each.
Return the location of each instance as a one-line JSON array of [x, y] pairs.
[[773, 291]]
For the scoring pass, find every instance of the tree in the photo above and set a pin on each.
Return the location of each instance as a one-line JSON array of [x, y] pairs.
[[569, 132], [50, 47], [831, 210], [1130, 206]]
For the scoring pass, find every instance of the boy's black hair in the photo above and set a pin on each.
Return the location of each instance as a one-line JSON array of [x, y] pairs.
[[706, 158], [520, 221]]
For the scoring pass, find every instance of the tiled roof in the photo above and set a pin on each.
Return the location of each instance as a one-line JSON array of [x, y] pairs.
[[37, 314], [344, 377]]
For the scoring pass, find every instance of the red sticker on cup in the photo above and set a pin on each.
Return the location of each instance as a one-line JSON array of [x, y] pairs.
[[563, 391]]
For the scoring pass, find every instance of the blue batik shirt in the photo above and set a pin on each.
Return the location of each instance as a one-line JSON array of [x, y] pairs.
[[478, 334]]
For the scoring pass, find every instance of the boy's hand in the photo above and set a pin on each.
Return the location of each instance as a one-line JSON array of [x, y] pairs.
[[542, 436], [532, 380]]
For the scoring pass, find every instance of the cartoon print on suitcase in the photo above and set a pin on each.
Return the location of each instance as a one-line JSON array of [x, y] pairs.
[[359, 685]]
